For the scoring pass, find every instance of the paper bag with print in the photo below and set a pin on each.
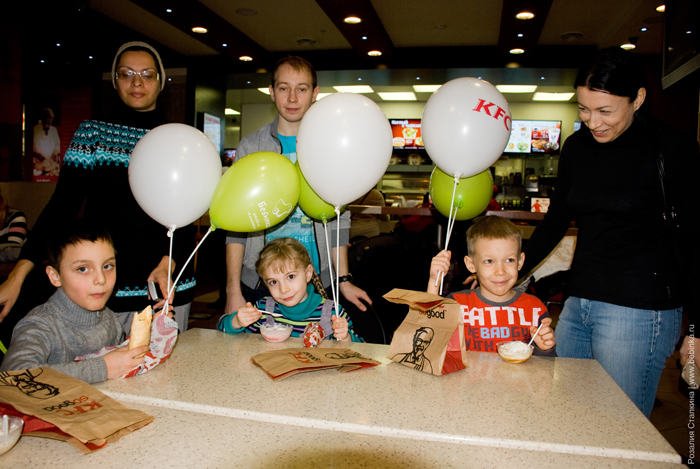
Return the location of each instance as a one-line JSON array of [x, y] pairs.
[[73, 410], [279, 364], [431, 337]]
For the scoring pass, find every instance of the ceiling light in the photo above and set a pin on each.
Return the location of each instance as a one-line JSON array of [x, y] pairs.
[[352, 20], [168, 10], [364, 38], [525, 15], [231, 112], [58, 45], [323, 95], [374, 53], [643, 30], [628, 46], [426, 88], [265, 90], [89, 57], [520, 34], [224, 45], [199, 30], [516, 88], [354, 89], [245, 58], [517, 51], [398, 96], [552, 96], [661, 8]]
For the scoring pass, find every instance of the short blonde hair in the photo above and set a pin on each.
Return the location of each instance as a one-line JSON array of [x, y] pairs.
[[280, 253], [491, 227]]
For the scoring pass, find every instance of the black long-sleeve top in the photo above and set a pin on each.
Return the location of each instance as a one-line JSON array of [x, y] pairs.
[[626, 254], [95, 173]]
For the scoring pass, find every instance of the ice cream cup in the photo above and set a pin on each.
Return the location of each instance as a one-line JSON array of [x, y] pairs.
[[521, 353]]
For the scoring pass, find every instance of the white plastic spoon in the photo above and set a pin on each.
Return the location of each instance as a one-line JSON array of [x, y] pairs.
[[536, 332]]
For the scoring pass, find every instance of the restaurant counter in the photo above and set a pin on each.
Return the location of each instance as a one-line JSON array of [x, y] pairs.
[[213, 406]]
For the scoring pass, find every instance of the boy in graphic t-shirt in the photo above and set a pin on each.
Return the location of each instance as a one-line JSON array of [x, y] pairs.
[[494, 312]]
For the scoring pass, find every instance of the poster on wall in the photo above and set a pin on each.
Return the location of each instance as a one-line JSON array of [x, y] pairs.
[[212, 129], [51, 122]]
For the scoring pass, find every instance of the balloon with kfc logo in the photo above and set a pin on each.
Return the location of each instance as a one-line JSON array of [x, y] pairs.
[[466, 126]]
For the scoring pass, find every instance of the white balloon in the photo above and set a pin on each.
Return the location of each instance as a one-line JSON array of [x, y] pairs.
[[343, 146], [173, 172], [466, 125]]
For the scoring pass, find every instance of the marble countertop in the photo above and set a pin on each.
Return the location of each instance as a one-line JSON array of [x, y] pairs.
[[556, 405], [187, 439]]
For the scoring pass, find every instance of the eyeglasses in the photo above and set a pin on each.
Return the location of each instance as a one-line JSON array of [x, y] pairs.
[[147, 75]]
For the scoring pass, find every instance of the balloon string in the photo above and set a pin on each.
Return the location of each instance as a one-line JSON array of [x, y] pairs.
[[190, 258], [337, 256], [450, 225], [330, 259], [171, 233]]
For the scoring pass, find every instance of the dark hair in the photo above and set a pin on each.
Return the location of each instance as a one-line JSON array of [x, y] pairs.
[[299, 65], [73, 234], [492, 227], [614, 71]]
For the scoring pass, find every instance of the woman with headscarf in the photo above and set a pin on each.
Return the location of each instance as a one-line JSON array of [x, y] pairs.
[[95, 173]]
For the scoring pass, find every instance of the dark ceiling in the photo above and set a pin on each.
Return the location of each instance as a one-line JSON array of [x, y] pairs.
[[409, 33]]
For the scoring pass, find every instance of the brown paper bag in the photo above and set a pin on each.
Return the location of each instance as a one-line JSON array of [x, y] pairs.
[[431, 337], [76, 409], [279, 364]]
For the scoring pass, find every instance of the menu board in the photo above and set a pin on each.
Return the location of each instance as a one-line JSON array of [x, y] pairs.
[[534, 137], [406, 133]]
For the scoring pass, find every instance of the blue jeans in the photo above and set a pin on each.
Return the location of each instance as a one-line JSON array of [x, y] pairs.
[[630, 344]]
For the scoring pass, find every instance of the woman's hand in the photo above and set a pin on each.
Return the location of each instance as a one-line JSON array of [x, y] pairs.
[[160, 276], [9, 290]]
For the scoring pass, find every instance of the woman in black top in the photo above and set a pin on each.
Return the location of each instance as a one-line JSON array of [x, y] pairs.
[[627, 286]]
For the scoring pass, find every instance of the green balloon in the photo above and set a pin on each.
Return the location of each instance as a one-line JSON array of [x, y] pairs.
[[472, 194], [311, 203], [257, 192]]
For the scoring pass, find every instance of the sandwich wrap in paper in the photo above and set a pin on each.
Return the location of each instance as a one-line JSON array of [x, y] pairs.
[[163, 338], [141, 329], [57, 406], [279, 364], [431, 337]]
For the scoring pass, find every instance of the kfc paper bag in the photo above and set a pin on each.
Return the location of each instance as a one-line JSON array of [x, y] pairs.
[[431, 337], [279, 364], [77, 409]]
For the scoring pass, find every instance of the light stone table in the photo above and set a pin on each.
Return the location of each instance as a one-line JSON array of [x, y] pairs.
[[179, 438], [565, 406]]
